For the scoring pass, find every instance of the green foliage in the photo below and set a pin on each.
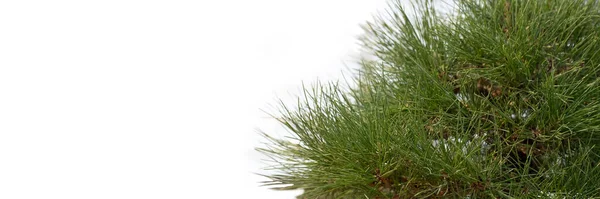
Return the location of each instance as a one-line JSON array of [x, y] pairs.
[[498, 99]]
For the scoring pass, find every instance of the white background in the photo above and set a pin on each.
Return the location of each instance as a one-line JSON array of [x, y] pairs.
[[157, 99]]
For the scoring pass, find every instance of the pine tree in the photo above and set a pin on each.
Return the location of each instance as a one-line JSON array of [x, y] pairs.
[[495, 99]]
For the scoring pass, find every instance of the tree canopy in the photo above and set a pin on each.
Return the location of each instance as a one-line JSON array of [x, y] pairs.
[[493, 99]]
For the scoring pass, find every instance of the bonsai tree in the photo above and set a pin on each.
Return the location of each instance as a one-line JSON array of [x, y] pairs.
[[494, 99]]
